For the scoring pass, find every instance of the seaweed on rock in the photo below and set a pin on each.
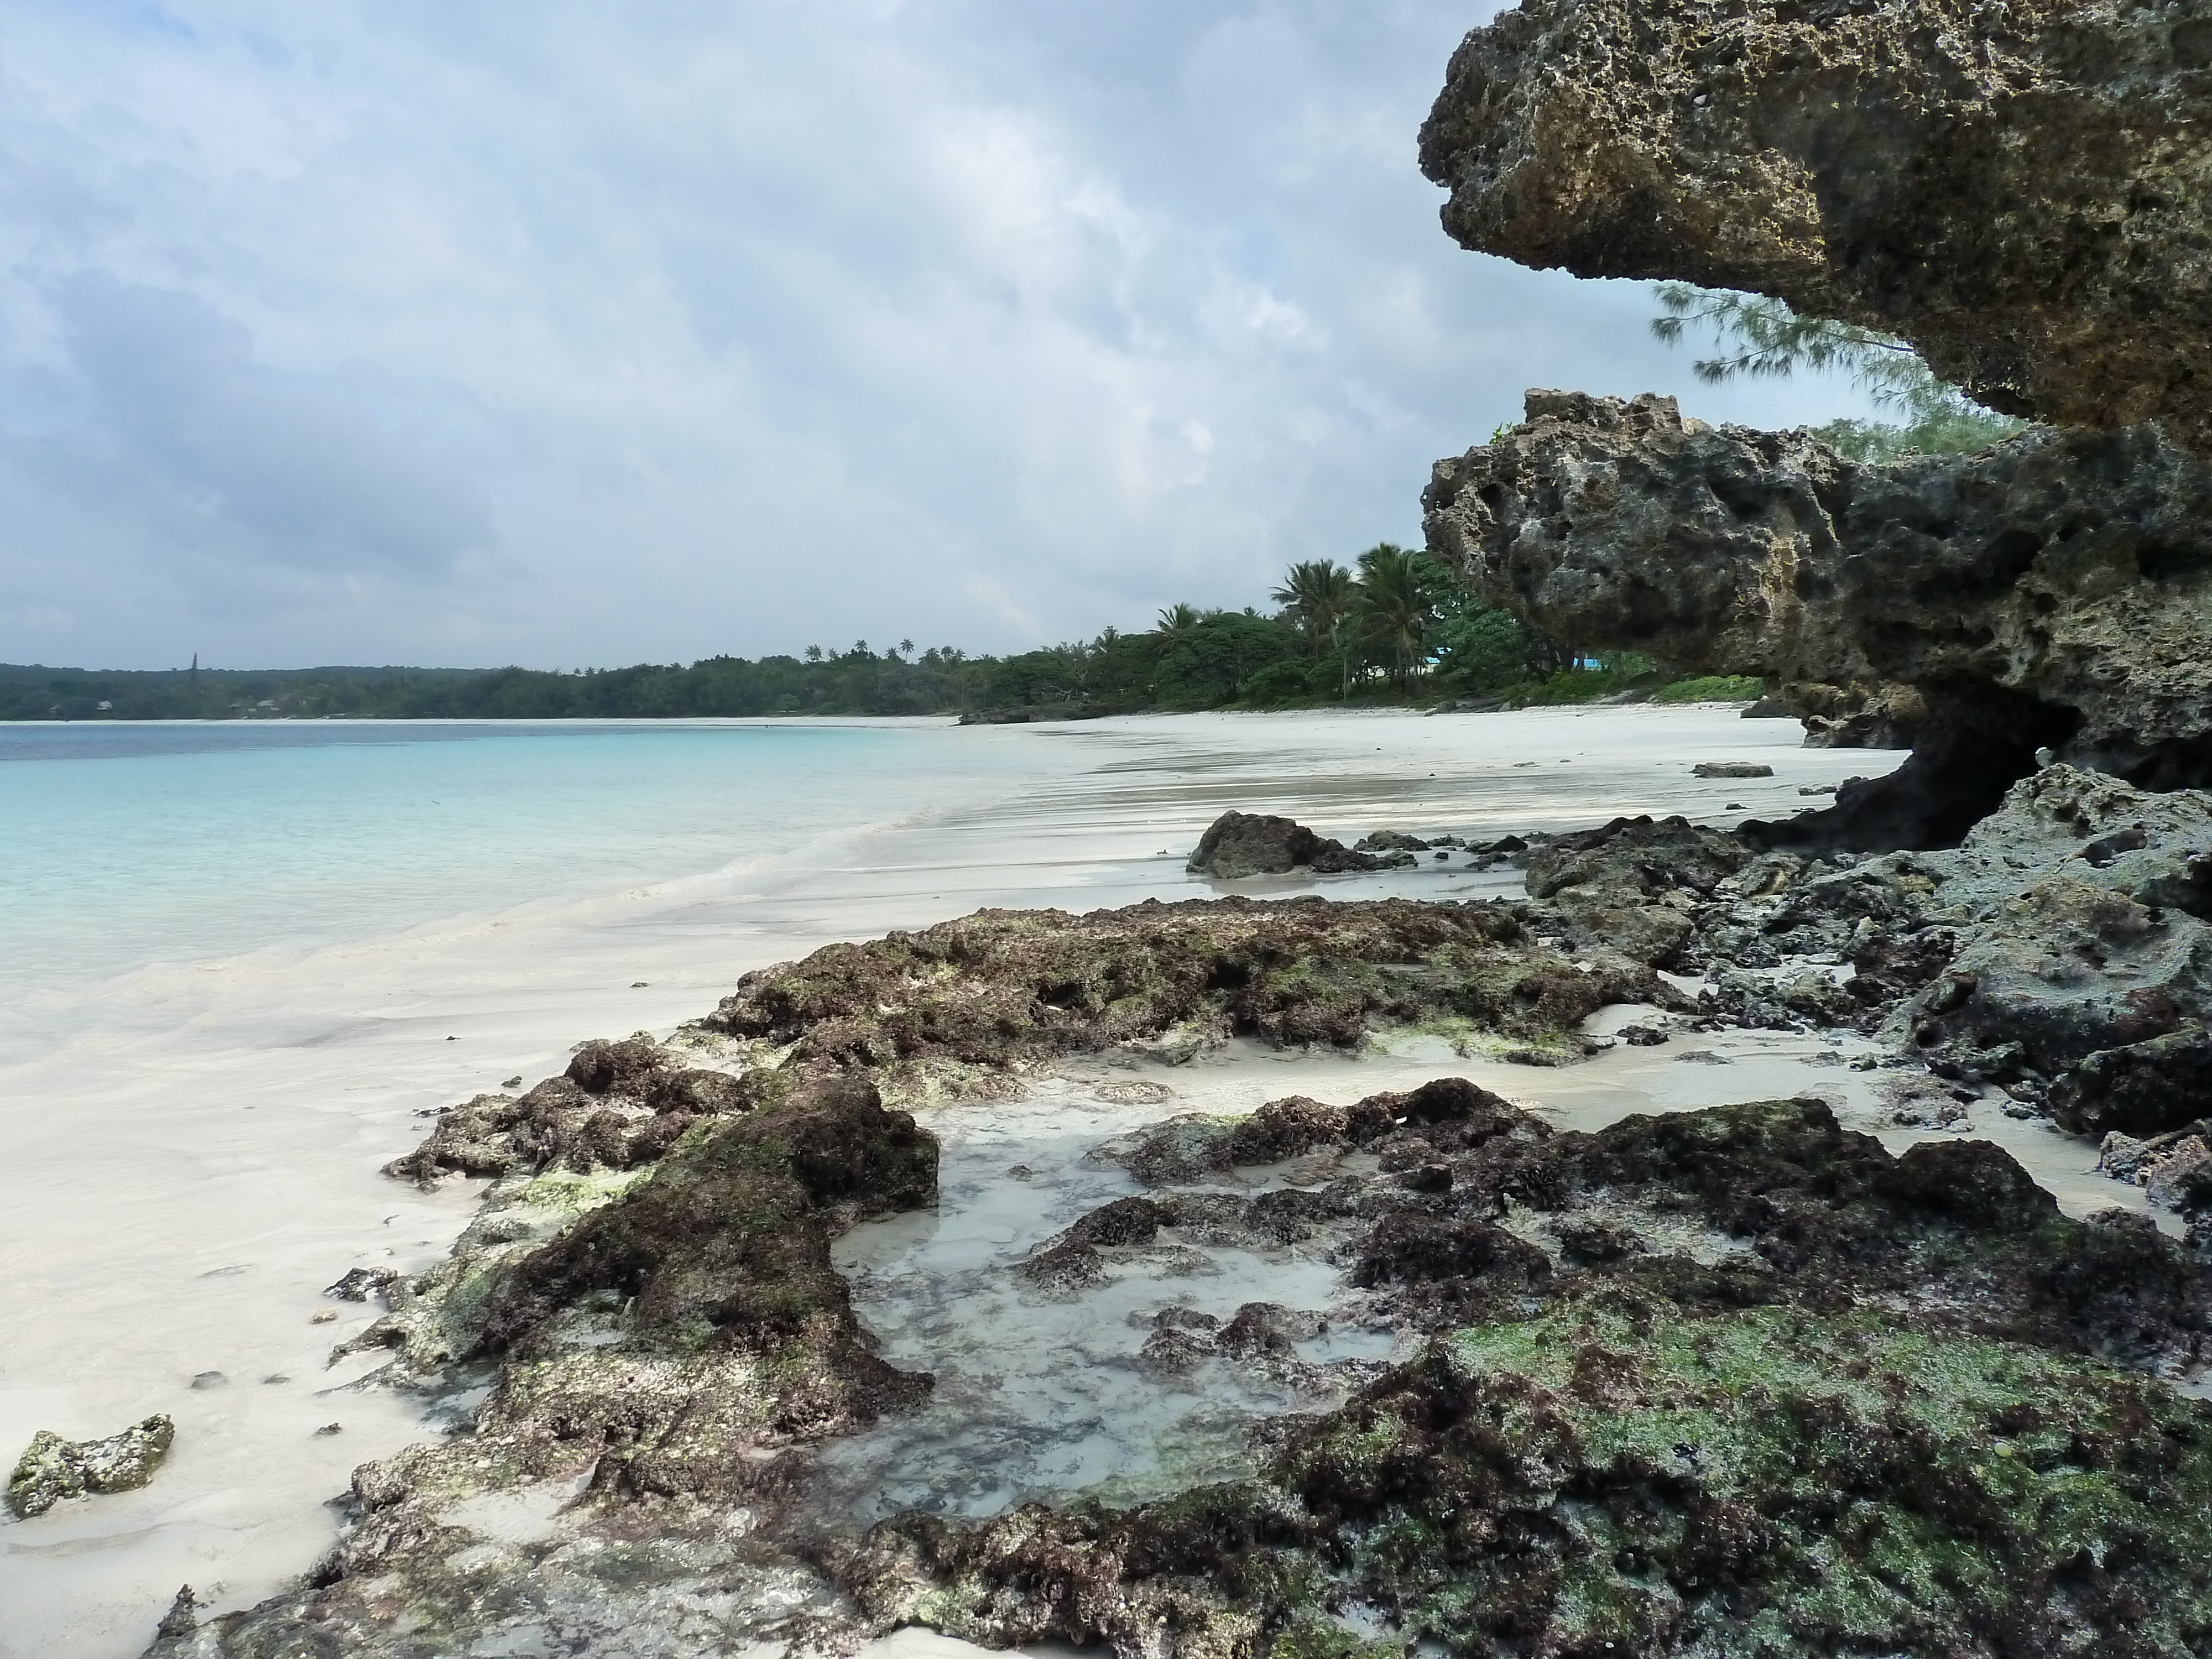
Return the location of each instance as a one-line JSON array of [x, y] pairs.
[[1002, 989], [654, 1365], [1873, 1420]]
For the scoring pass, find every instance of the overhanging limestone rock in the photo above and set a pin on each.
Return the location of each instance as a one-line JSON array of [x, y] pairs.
[[2023, 191], [2054, 590]]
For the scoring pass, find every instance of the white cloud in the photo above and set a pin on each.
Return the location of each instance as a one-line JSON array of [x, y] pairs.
[[582, 334]]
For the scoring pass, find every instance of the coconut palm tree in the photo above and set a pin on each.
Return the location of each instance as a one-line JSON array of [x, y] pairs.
[[1178, 620], [1396, 610], [1319, 595]]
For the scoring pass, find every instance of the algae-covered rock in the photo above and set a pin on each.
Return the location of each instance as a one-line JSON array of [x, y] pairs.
[[54, 1469], [1720, 1382], [619, 1105], [653, 1361], [2021, 191], [1005, 988]]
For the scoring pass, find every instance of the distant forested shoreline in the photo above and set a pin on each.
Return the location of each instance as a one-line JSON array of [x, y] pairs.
[[1391, 630]]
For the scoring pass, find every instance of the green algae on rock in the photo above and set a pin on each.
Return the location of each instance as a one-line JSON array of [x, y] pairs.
[[651, 1372], [1006, 988], [54, 1469], [1726, 1382], [1652, 1481], [618, 1105]]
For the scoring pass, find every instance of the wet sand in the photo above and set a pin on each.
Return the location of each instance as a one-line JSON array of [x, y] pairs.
[[199, 1157]]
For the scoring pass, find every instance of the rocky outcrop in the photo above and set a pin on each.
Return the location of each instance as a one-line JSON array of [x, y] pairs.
[[2054, 590], [1002, 990], [2022, 190], [1695, 1379], [1856, 716], [652, 1355], [54, 1467]]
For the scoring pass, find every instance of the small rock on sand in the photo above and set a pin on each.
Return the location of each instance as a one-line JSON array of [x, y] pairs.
[[359, 1284], [54, 1468]]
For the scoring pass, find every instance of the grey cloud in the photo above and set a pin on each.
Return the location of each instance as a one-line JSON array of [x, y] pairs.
[[179, 420], [686, 329]]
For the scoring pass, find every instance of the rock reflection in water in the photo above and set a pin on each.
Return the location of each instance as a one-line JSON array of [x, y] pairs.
[[1043, 1391]]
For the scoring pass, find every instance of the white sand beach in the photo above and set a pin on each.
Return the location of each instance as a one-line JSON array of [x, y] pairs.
[[195, 1155]]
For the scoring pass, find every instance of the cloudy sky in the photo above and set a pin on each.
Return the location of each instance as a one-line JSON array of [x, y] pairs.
[[574, 334]]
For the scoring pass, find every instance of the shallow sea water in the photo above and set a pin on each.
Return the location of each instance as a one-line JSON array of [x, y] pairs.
[[237, 964], [1042, 1393]]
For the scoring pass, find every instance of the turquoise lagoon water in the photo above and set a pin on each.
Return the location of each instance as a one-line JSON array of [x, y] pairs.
[[127, 844]]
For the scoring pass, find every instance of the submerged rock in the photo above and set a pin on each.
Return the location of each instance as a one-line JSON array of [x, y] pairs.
[[2052, 591], [54, 1468], [2019, 191]]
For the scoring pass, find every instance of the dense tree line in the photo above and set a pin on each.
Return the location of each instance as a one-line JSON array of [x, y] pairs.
[[1393, 628]]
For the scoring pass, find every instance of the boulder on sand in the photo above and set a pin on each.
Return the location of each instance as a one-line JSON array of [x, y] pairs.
[[1240, 844], [54, 1468]]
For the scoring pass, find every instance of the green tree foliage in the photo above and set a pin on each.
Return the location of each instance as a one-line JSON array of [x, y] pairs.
[[1178, 620], [1396, 610], [1318, 596], [1398, 627], [1755, 336]]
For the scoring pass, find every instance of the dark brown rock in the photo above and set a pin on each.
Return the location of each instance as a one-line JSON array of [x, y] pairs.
[[636, 1107], [2051, 592], [2141, 1089], [1240, 844], [1635, 861], [2021, 191]]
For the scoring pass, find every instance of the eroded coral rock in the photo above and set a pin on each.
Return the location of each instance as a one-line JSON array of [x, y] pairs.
[[2021, 191], [54, 1469], [2053, 591], [1857, 716], [1009, 987], [619, 1105], [2079, 952]]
